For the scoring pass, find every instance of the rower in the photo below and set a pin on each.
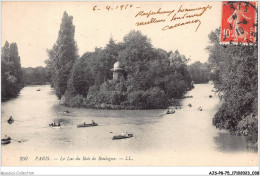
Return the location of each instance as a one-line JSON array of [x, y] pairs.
[[10, 120], [6, 138], [126, 133]]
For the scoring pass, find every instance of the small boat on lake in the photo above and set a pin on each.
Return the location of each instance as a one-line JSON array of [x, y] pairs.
[[39, 89], [170, 112], [87, 125], [54, 125], [10, 120], [6, 140], [123, 136]]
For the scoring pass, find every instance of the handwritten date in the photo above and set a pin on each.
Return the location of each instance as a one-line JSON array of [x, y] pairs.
[[116, 7]]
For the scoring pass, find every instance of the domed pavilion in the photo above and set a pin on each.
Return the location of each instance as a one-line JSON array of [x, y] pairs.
[[117, 71]]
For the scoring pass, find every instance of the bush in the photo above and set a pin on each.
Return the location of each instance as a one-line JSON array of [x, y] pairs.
[[76, 101], [136, 99], [248, 127], [153, 98], [156, 98]]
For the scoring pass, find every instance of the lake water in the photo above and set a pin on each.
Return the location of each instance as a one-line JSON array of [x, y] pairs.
[[184, 138]]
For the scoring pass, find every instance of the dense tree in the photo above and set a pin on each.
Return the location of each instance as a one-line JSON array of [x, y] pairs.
[[50, 63], [234, 73], [11, 72], [151, 76], [92, 68], [200, 72], [35, 76], [63, 55]]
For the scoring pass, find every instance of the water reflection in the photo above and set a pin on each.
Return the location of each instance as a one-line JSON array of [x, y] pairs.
[[229, 143]]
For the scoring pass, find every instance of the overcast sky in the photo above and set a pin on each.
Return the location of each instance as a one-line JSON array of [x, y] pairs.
[[34, 27]]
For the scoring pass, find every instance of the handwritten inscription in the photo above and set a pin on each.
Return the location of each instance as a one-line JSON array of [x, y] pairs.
[[182, 24], [116, 7], [150, 13], [175, 17]]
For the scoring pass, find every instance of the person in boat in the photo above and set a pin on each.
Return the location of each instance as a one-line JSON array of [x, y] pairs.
[[59, 124], [93, 122], [10, 120], [172, 111], [84, 123], [168, 111], [125, 134], [6, 138]]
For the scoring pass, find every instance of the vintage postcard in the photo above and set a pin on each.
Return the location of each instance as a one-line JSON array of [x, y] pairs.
[[129, 83]]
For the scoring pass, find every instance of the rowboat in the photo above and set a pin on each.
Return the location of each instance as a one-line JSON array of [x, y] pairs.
[[170, 112], [122, 136], [6, 140], [54, 126], [87, 125]]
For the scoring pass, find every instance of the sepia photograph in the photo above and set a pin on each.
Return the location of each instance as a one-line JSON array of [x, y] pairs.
[[127, 83]]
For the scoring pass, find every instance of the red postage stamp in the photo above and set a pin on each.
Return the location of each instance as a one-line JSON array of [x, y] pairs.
[[238, 22]]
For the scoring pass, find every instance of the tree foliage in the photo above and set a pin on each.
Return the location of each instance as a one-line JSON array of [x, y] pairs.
[[11, 72], [150, 79], [35, 76], [234, 73], [62, 56], [200, 72]]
